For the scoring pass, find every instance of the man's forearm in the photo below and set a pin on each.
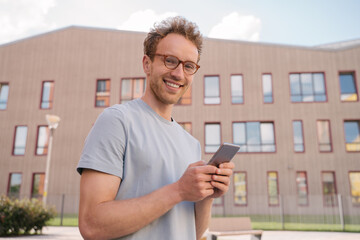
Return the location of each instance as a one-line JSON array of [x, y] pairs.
[[202, 216], [104, 221]]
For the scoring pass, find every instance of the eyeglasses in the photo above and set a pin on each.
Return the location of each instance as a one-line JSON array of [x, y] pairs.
[[172, 62]]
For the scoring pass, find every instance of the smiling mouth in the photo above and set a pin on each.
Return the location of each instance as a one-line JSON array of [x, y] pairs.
[[173, 85]]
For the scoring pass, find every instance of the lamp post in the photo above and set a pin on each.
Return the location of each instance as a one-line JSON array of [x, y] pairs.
[[53, 122]]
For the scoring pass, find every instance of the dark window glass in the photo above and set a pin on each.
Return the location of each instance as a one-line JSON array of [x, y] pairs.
[[352, 135], [348, 87], [14, 185]]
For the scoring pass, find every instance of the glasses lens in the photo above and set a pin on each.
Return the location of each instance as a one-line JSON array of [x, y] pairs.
[[171, 62], [190, 67]]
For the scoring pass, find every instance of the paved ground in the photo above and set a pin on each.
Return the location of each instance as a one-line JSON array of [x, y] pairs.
[[72, 233]]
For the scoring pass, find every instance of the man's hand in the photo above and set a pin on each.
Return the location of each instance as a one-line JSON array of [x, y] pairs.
[[221, 179], [195, 184], [201, 181]]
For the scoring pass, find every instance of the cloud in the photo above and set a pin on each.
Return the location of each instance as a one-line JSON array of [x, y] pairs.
[[142, 21], [237, 27], [18, 18]]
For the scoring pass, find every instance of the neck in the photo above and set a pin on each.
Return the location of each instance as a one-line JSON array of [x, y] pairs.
[[164, 110]]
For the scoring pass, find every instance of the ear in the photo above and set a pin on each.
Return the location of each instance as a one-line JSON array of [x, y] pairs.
[[146, 64]]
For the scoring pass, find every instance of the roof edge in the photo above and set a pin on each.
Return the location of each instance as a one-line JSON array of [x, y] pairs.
[[66, 28], [342, 45]]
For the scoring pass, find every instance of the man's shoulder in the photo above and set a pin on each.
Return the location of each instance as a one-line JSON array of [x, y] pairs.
[[125, 108], [187, 135]]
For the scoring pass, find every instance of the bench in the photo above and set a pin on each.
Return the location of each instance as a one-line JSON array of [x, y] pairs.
[[232, 226]]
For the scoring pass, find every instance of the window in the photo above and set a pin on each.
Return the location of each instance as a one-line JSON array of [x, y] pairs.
[[298, 136], [4, 93], [237, 95], [14, 185], [355, 187], [329, 188], [267, 88], [47, 96], [324, 138], [302, 188], [38, 183], [273, 188], [307, 87], [186, 98], [20, 140], [254, 136], [102, 98], [240, 194], [352, 135], [42, 140], [212, 90], [212, 137], [186, 126], [348, 87], [131, 89]]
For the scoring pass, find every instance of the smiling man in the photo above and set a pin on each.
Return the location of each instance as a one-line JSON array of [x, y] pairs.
[[141, 173]]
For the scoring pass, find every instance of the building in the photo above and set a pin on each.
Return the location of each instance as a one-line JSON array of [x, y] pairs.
[[294, 110]]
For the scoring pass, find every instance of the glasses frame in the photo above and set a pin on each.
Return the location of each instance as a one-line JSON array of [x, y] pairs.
[[179, 61]]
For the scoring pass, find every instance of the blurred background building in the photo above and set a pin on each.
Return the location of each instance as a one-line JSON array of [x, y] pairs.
[[294, 110]]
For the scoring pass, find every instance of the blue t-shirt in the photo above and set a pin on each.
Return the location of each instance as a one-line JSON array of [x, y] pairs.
[[147, 152]]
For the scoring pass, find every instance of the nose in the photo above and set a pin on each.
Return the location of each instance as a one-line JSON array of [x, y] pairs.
[[178, 72]]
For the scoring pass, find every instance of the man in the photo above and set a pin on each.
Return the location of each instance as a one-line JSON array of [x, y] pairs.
[[142, 177]]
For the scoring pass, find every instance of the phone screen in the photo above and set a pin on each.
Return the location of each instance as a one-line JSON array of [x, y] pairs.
[[224, 154]]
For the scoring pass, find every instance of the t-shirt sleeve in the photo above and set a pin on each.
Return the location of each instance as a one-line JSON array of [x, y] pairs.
[[105, 145]]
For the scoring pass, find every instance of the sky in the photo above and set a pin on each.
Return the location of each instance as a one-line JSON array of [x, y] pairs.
[[289, 22]]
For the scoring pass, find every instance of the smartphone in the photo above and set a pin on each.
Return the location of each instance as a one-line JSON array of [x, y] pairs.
[[224, 154]]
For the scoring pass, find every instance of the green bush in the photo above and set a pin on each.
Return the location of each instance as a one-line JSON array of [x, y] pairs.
[[21, 216]]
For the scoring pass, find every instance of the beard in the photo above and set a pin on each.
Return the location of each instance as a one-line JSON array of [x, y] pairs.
[[157, 88]]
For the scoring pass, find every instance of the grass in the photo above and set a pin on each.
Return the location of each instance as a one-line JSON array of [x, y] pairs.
[[305, 227], [329, 223], [68, 220], [265, 222]]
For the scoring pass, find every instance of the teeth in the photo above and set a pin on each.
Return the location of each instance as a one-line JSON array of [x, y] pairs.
[[172, 85]]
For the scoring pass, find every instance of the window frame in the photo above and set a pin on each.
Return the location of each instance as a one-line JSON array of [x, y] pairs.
[[9, 185], [51, 95], [242, 86], [37, 141], [105, 93], [219, 90], [350, 186], [272, 88], [301, 95], [40, 196], [353, 73], [277, 189], [246, 189], [334, 202], [261, 145], [306, 188], [14, 140], [8, 93], [329, 133], [132, 79], [220, 136], [302, 136], [344, 131]]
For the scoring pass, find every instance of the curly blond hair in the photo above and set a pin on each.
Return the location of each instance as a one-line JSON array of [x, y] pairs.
[[178, 25]]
